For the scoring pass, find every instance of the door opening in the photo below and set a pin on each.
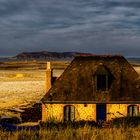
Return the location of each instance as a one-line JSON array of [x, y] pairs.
[[100, 112]]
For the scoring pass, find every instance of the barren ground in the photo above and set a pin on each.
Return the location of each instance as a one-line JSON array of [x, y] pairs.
[[22, 87], [137, 69]]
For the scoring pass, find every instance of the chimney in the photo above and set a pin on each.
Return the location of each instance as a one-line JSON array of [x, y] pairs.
[[48, 76]]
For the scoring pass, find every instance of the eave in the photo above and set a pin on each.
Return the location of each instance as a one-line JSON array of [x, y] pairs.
[[91, 102]]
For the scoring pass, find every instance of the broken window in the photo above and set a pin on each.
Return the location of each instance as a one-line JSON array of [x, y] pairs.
[[133, 110], [69, 113], [102, 82], [103, 78], [53, 80]]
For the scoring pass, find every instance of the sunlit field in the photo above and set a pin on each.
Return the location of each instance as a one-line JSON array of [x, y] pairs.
[[24, 87], [137, 69], [19, 88], [22, 83], [85, 133]]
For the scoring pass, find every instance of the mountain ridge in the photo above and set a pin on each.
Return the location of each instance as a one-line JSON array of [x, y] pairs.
[[47, 54]]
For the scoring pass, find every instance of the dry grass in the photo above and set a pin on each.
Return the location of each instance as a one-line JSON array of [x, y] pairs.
[[22, 75], [15, 93], [86, 133], [20, 88], [22, 83], [25, 85]]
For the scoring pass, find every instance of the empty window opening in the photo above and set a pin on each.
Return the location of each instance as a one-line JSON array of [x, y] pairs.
[[53, 80], [103, 82], [103, 78], [133, 110]]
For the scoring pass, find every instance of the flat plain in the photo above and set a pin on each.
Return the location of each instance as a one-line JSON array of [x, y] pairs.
[[23, 83], [22, 86]]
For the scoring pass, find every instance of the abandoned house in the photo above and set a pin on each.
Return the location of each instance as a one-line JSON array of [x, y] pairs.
[[92, 88]]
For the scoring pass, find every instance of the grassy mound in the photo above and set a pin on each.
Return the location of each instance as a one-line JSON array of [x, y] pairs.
[[126, 121]]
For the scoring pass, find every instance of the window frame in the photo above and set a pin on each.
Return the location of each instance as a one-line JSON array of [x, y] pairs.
[[133, 110], [106, 82], [69, 113]]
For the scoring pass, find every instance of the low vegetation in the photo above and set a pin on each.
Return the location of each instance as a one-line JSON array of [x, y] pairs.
[[21, 87], [85, 133], [79, 131]]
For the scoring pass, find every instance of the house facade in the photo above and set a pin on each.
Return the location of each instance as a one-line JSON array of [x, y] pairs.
[[92, 88]]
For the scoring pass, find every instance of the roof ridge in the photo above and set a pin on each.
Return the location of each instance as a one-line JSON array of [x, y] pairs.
[[99, 55]]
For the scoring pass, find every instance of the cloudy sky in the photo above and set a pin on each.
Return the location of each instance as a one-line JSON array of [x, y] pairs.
[[95, 26]]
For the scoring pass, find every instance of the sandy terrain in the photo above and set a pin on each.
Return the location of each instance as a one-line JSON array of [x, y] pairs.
[[22, 83], [19, 92], [137, 69], [21, 88]]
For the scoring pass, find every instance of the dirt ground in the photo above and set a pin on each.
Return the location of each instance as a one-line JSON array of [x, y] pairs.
[[22, 84], [22, 87]]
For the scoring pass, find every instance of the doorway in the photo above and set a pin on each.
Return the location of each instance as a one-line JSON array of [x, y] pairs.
[[100, 112]]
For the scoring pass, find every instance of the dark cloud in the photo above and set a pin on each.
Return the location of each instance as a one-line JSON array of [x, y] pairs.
[[98, 26]]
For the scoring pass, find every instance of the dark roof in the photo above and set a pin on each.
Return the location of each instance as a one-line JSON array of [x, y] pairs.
[[78, 83]]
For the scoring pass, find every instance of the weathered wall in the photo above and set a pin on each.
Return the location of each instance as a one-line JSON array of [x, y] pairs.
[[117, 110], [56, 111], [87, 112], [51, 74], [44, 113], [83, 112], [48, 77], [83, 70]]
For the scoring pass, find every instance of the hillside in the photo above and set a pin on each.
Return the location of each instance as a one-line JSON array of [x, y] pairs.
[[48, 55]]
